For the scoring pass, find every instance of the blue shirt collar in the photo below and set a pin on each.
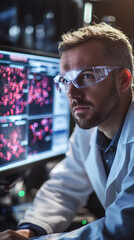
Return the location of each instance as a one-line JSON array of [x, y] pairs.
[[103, 142]]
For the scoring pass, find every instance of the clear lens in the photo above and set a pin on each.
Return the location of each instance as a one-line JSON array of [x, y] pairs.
[[83, 78]]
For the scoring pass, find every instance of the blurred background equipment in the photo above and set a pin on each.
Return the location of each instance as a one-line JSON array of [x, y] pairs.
[[38, 24]]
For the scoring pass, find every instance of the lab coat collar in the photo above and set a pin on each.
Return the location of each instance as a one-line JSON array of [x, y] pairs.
[[127, 134], [126, 137], [105, 188], [95, 169]]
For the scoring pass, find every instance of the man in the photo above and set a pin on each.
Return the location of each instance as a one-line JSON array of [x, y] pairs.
[[96, 73]]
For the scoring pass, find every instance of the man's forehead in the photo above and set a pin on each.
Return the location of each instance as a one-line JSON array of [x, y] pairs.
[[84, 55], [70, 61]]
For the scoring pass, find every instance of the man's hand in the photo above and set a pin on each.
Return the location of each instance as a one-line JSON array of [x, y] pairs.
[[16, 235]]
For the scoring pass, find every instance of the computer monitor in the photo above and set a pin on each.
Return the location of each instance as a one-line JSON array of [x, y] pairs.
[[34, 117]]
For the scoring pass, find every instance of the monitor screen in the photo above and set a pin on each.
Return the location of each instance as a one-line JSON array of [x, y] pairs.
[[34, 117]]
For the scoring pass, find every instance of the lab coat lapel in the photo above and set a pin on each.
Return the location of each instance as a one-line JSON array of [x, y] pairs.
[[116, 168], [121, 158], [95, 169]]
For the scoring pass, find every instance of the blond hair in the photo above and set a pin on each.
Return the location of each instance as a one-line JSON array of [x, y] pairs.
[[116, 44]]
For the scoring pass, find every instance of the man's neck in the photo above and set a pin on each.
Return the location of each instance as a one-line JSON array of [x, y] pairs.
[[112, 124]]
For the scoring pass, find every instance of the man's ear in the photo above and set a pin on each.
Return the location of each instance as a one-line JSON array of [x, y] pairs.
[[125, 79]]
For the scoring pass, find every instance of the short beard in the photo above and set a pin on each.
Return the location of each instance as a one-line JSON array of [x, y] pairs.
[[99, 116], [92, 122]]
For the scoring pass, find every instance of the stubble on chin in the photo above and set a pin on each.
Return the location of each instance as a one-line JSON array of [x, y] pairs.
[[85, 122]]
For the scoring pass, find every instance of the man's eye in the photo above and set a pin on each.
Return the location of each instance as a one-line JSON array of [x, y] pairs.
[[63, 81], [88, 76], [85, 77]]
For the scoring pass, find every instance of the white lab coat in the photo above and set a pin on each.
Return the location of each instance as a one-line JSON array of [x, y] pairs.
[[81, 173]]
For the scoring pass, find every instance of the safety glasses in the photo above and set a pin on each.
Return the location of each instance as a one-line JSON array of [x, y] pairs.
[[82, 78]]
